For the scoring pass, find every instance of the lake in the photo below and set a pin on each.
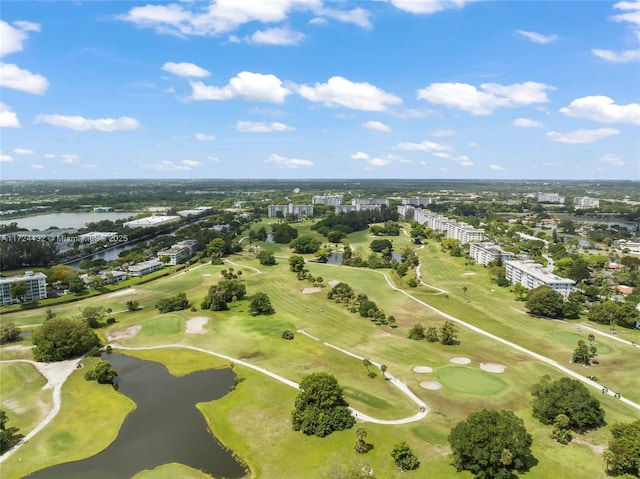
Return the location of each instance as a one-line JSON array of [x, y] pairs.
[[65, 220], [165, 427]]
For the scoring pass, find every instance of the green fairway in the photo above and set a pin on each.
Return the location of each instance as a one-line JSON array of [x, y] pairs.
[[468, 380]]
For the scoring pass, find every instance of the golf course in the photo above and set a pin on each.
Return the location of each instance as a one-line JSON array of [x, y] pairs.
[[495, 364]]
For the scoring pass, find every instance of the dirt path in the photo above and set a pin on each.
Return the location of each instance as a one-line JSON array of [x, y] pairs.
[[257, 271]]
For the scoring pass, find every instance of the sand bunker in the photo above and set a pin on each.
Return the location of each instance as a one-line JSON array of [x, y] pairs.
[[311, 290], [196, 325], [334, 282], [492, 367], [460, 360], [431, 385], [468, 273], [206, 275], [422, 369], [130, 332], [124, 292]]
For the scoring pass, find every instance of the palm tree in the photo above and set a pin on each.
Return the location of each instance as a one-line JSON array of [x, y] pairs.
[[366, 363], [608, 456], [464, 291], [383, 368]]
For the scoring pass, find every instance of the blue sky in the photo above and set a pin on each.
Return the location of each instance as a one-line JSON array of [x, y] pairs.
[[320, 89]]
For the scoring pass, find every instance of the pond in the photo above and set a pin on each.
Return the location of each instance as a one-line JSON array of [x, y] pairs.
[[165, 427]]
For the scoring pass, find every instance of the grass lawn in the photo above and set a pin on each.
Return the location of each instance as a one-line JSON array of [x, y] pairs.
[[257, 412], [23, 397]]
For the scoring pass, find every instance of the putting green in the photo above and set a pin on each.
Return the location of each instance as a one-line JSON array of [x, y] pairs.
[[161, 325], [468, 380]]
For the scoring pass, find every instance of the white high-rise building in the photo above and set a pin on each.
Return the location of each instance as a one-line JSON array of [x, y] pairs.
[[463, 232], [485, 253], [580, 202], [331, 200], [290, 209], [531, 275], [36, 284]]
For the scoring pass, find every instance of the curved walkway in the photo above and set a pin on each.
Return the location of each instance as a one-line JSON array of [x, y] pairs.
[[533, 354], [56, 374], [257, 271], [359, 415], [419, 275]]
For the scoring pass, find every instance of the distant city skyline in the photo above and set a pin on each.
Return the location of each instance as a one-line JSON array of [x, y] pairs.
[[320, 89]]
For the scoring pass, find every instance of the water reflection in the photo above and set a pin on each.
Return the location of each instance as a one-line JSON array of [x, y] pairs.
[[165, 426]]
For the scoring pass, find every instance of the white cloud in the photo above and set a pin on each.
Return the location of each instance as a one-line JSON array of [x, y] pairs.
[[427, 146], [12, 76], [204, 137], [496, 167], [357, 16], [538, 37], [276, 36], [8, 118], [378, 160], [214, 159], [4, 158], [37, 167], [213, 18], [491, 96], [50, 155], [442, 133], [632, 15], [428, 6], [527, 123], [23, 151], [261, 127], [12, 39], [80, 123], [287, 163], [69, 158], [184, 165], [464, 160], [603, 109], [339, 91], [245, 85], [582, 136], [612, 159], [623, 57], [377, 126], [185, 69], [318, 21]]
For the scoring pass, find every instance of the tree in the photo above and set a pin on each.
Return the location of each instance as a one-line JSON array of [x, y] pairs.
[[604, 313], [305, 244], [75, 284], [544, 301], [61, 338], [404, 458], [581, 354], [417, 332], [335, 236], [490, 444], [9, 333], [378, 245], [432, 335], [361, 446], [216, 247], [296, 263], [520, 291], [102, 372], [261, 304], [287, 334], [625, 448], [174, 303], [569, 397], [448, 334], [222, 293], [93, 315], [132, 305], [9, 436], [266, 258], [18, 291], [320, 407]]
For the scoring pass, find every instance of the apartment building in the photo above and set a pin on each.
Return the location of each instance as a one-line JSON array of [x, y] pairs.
[[179, 252], [419, 200], [330, 200], [461, 231], [145, 267], [581, 202], [485, 253], [349, 208], [290, 209], [549, 198], [531, 275], [36, 284]]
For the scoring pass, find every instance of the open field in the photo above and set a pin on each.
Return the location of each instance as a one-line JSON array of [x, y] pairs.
[[258, 411]]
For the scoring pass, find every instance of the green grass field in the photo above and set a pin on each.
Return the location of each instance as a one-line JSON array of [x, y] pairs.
[[258, 411]]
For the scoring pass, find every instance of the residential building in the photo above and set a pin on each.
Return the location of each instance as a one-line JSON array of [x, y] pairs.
[[331, 200], [145, 267], [581, 202], [549, 198], [531, 275], [369, 201], [290, 209], [461, 231], [108, 277], [179, 252], [419, 201], [485, 253], [36, 284], [102, 209]]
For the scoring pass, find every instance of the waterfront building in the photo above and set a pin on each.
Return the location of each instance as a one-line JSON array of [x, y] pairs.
[[150, 221], [531, 275], [144, 267], [36, 284]]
